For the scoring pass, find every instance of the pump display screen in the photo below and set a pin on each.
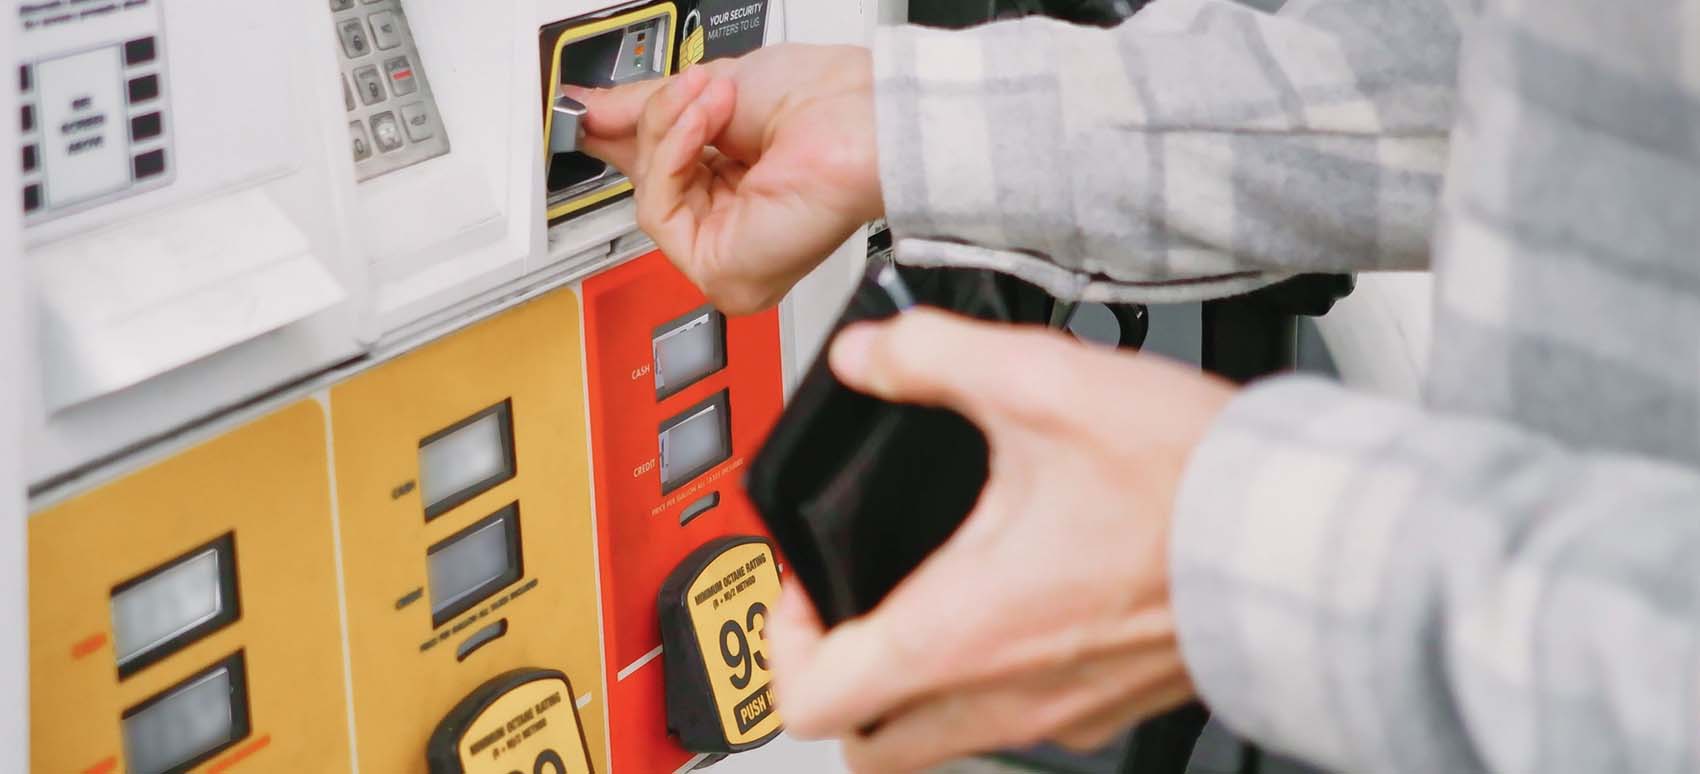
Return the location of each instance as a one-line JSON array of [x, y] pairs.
[[694, 442], [466, 459], [473, 564], [688, 349], [166, 608], [189, 722]]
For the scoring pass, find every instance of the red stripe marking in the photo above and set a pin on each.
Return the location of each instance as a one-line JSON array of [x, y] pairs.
[[400, 74], [104, 767], [241, 753], [88, 645]]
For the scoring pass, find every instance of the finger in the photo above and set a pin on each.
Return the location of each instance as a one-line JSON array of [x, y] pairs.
[[664, 207], [909, 646], [612, 113], [1089, 702], [665, 108], [977, 368], [1099, 730], [794, 632], [620, 152], [923, 641], [953, 726], [718, 100]]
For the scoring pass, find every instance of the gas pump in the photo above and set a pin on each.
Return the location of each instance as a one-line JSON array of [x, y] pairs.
[[327, 378]]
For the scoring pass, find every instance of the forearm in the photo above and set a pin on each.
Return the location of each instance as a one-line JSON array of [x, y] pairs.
[[1380, 589], [1201, 139]]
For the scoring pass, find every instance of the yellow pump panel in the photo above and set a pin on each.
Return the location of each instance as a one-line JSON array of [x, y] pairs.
[[504, 402], [261, 494]]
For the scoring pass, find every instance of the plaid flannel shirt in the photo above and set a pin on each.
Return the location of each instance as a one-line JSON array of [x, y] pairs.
[[1504, 579]]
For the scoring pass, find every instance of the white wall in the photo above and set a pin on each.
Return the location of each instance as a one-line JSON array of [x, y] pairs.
[[14, 363]]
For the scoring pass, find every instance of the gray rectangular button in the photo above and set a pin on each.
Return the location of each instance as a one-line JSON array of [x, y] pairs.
[[341, 5], [370, 84], [347, 93], [354, 41], [417, 119], [362, 145], [402, 78], [386, 131], [386, 30]]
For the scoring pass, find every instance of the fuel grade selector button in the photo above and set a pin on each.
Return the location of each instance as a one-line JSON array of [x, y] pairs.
[[714, 610], [525, 720]]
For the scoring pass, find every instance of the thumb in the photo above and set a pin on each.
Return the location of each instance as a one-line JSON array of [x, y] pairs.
[[613, 113], [933, 358]]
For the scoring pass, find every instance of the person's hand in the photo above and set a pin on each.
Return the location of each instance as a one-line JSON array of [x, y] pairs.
[[1046, 616], [749, 172]]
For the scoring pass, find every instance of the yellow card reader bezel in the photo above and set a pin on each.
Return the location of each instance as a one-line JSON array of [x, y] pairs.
[[580, 33]]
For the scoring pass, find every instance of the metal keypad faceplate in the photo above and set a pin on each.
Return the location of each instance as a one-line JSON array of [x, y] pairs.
[[393, 121]]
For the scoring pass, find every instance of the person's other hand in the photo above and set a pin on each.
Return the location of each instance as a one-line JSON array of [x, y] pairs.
[[1046, 617], [749, 172]]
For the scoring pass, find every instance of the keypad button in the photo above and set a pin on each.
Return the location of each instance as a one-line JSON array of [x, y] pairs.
[[386, 131], [27, 118], [354, 41], [341, 5], [24, 78], [386, 30], [144, 88], [32, 198], [401, 76], [146, 127], [30, 158], [149, 164], [361, 143], [139, 51], [370, 84], [347, 93], [417, 120]]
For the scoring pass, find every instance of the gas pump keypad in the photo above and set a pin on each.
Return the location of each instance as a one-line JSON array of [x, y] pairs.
[[393, 118]]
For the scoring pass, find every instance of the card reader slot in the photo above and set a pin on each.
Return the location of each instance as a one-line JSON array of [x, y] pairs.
[[597, 53], [589, 63]]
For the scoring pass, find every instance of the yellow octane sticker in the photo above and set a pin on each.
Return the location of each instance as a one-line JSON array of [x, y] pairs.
[[728, 604], [531, 729]]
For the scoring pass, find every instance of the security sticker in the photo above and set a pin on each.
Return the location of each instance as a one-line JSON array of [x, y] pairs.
[[525, 720], [714, 611], [691, 47], [732, 27]]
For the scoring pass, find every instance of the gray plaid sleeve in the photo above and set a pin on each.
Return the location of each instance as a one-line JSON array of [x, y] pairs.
[[1201, 147], [1376, 588]]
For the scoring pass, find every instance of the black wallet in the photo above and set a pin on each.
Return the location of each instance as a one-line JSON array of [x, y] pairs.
[[858, 491]]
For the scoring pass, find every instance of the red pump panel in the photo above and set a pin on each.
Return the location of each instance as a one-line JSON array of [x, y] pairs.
[[664, 448]]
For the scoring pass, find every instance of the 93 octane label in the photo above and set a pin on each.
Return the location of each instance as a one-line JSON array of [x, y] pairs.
[[532, 729], [728, 605]]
